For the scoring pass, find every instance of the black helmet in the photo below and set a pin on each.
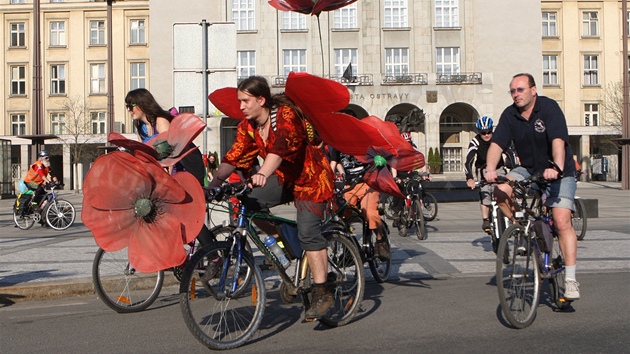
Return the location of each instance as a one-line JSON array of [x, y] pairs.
[[43, 153]]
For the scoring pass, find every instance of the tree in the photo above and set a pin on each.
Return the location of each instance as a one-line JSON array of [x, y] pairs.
[[612, 104], [76, 132]]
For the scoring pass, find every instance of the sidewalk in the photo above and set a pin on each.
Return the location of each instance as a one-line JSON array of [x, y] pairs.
[[41, 262]]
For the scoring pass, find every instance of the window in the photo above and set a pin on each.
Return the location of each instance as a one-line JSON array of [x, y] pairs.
[[138, 32], [57, 0], [589, 24], [97, 78], [57, 79], [447, 61], [591, 114], [58, 123], [293, 20], [550, 70], [344, 57], [345, 17], [396, 61], [57, 33], [18, 124], [549, 24], [446, 13], [395, 13], [18, 80], [138, 76], [452, 159], [243, 14], [97, 32], [18, 34], [293, 60], [590, 70], [98, 122], [17, 1], [246, 63], [628, 22]]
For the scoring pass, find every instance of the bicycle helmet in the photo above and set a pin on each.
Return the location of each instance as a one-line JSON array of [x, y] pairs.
[[43, 153], [484, 123]]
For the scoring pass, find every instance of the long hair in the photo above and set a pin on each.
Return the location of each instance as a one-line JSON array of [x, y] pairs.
[[258, 86], [144, 100]]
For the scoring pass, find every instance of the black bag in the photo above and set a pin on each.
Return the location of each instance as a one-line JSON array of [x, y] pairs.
[[288, 234]]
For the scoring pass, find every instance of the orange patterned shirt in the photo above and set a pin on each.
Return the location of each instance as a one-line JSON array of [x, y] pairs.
[[304, 167]]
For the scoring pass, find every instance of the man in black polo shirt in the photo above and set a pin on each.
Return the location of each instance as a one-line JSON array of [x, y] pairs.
[[539, 131]]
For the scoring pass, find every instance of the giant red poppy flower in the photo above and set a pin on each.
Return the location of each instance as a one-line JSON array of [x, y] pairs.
[[131, 201], [168, 147], [313, 7]]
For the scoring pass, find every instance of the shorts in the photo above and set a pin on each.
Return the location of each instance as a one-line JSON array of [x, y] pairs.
[[309, 214], [486, 191], [560, 193]]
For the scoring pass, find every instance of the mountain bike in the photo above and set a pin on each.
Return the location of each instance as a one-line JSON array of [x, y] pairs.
[[53, 211], [223, 309], [411, 215], [528, 253], [429, 202], [498, 222], [578, 217]]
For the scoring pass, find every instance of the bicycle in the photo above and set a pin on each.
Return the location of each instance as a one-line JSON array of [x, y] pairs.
[[412, 216], [57, 213], [123, 289], [429, 202], [223, 310], [578, 217], [355, 224], [498, 222], [528, 252]]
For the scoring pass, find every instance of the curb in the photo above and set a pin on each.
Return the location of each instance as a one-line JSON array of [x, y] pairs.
[[42, 291]]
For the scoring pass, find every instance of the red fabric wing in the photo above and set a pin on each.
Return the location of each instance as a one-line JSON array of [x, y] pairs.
[[226, 100], [381, 180], [314, 94], [301, 6], [329, 5]]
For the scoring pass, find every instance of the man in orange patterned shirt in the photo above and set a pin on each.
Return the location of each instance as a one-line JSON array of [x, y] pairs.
[[293, 169]]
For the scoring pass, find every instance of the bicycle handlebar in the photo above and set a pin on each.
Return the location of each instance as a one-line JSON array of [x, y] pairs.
[[227, 190]]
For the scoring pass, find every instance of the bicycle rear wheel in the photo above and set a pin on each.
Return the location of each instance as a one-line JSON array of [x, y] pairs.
[[388, 200], [23, 222], [578, 218], [120, 286], [518, 279], [346, 277], [430, 206], [59, 214], [380, 268], [556, 281], [416, 220], [217, 316]]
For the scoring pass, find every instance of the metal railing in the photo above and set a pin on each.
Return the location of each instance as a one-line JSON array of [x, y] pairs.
[[406, 79], [458, 79]]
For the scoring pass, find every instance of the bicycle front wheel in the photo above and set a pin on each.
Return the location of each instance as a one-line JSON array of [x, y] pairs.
[[345, 277], [518, 277], [416, 220], [380, 268], [120, 286], [556, 281], [59, 214], [220, 308], [578, 218], [430, 206]]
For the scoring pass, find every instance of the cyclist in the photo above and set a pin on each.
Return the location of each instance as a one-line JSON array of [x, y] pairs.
[[477, 151], [37, 177], [538, 129], [294, 168]]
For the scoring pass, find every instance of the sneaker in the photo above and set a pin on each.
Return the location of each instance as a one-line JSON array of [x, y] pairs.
[[486, 225], [321, 301], [571, 290], [382, 250]]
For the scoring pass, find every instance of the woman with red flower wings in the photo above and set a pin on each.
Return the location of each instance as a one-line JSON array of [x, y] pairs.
[[293, 169]]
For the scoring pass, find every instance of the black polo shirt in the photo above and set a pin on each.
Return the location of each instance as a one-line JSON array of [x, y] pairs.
[[532, 138]]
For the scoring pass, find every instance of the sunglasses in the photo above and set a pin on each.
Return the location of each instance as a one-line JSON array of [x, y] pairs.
[[486, 132], [130, 106], [518, 89]]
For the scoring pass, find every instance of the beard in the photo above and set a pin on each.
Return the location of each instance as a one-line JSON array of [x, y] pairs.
[[46, 163]]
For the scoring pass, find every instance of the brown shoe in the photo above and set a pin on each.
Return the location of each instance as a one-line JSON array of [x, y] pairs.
[[382, 250], [321, 301]]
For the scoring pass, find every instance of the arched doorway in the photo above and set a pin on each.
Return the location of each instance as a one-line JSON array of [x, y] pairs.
[[457, 124], [411, 119]]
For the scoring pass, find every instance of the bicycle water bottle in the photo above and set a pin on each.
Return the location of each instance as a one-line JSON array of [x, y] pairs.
[[272, 244]]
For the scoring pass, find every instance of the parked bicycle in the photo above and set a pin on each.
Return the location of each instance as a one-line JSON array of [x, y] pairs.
[[529, 252], [53, 211], [223, 309], [429, 202]]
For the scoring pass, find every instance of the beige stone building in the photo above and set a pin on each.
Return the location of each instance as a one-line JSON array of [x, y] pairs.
[[449, 60]]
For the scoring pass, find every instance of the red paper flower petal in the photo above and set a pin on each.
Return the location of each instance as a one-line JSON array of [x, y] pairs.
[[114, 181], [132, 145], [301, 6], [314, 94], [381, 180], [111, 229], [329, 5], [226, 101], [191, 213], [183, 130], [165, 187], [157, 246]]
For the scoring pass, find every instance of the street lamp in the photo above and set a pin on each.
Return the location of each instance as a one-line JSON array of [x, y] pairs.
[[110, 69]]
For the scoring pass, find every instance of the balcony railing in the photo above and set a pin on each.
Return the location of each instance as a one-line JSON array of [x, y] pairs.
[[406, 79], [458, 79], [358, 80]]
